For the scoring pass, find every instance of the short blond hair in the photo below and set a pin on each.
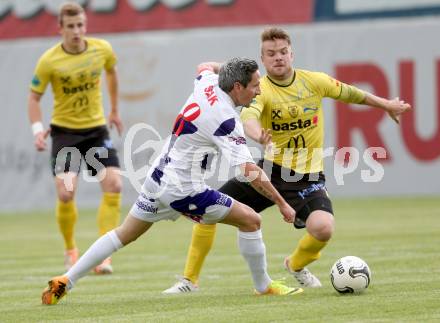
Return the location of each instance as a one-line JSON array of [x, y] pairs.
[[272, 33], [69, 9]]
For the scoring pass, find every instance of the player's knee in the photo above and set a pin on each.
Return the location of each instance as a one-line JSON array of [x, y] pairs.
[[113, 184], [65, 196], [256, 220], [325, 232], [116, 185], [322, 227], [253, 220]]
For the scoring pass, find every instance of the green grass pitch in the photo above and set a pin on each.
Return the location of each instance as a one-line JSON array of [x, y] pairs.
[[399, 238]]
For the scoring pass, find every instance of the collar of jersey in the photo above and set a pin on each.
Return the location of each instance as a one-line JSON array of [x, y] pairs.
[[69, 53], [281, 85]]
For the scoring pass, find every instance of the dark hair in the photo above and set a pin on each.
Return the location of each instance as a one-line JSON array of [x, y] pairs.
[[272, 33], [69, 9], [237, 69]]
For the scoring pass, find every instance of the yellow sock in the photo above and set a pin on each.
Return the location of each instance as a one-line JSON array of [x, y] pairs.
[[109, 212], [202, 238], [307, 251], [66, 214]]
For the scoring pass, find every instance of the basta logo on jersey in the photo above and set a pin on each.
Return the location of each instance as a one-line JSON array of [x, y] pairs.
[[298, 124], [80, 88]]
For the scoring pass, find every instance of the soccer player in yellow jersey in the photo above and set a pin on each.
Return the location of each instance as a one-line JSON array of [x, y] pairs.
[[78, 126], [288, 116]]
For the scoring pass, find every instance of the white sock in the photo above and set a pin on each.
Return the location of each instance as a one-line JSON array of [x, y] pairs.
[[253, 250], [98, 251]]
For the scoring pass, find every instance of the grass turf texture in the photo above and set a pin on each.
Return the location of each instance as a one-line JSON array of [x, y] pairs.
[[398, 238]]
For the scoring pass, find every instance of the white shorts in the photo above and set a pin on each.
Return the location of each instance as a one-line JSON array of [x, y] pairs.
[[206, 207]]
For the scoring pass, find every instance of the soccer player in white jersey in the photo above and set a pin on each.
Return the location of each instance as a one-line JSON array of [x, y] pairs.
[[175, 185]]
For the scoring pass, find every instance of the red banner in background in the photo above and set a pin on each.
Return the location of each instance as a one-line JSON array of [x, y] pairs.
[[124, 16]]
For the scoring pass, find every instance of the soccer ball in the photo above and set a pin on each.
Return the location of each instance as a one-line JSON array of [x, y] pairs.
[[350, 275]]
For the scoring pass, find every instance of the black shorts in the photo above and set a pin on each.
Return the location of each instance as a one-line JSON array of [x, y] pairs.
[[71, 146], [304, 195]]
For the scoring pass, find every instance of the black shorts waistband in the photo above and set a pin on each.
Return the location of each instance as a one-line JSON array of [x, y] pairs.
[[277, 170], [60, 129]]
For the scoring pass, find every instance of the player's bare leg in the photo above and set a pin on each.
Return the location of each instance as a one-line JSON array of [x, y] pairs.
[[104, 247]]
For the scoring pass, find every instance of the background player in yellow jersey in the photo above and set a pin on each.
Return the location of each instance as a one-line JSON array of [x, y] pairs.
[[288, 113], [78, 126]]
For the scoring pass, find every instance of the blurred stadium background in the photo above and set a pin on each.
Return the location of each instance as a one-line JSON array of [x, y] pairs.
[[387, 47]]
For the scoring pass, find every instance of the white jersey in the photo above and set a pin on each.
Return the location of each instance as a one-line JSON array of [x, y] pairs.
[[206, 125]]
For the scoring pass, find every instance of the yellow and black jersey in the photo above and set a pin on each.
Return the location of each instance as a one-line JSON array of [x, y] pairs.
[[294, 113], [76, 83]]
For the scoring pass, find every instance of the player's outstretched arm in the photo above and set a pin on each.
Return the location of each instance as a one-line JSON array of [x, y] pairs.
[[262, 185], [350, 94], [34, 112], [394, 107]]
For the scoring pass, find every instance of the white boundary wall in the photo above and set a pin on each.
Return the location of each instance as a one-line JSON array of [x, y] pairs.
[[156, 74]]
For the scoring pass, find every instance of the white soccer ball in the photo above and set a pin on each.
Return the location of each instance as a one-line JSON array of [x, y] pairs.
[[350, 275]]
